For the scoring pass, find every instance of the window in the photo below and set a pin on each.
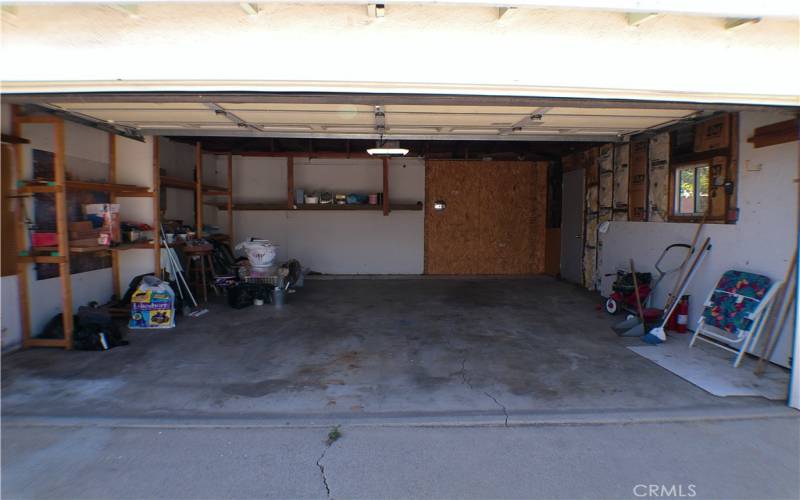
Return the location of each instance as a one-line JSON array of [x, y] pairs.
[[691, 193]]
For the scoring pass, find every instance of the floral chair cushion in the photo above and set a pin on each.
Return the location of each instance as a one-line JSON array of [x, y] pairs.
[[734, 300]]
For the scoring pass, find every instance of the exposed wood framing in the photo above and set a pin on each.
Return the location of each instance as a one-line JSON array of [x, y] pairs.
[[230, 198], [290, 183], [112, 178], [62, 227], [386, 207], [198, 189], [22, 237], [156, 208], [776, 133]]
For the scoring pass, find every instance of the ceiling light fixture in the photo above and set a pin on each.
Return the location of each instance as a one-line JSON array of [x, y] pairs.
[[387, 149]]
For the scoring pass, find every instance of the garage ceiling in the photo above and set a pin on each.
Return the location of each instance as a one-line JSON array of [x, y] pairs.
[[363, 121]]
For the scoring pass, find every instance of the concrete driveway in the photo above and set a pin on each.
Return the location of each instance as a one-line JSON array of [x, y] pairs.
[[730, 459]]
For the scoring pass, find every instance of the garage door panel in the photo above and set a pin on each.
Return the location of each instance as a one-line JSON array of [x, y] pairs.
[[306, 117]]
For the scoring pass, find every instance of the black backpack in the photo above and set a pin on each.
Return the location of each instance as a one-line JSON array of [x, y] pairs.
[[96, 337]]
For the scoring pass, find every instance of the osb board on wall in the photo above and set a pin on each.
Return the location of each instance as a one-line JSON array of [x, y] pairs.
[[590, 164], [498, 225], [658, 176], [637, 187], [713, 133], [621, 182], [452, 242]]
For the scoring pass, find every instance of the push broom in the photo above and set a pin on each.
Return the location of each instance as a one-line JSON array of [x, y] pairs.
[[658, 335]]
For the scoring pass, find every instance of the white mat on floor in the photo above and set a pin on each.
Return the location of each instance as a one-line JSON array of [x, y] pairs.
[[711, 369]]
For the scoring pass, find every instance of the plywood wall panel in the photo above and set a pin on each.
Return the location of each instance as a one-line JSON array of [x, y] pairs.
[[498, 225], [452, 244]]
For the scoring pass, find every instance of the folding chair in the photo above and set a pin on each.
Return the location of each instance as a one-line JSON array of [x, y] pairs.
[[733, 314]]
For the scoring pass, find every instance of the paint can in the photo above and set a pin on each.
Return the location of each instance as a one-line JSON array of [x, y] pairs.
[[278, 297]]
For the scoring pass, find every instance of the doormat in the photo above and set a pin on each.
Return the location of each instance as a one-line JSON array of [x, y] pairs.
[[711, 369]]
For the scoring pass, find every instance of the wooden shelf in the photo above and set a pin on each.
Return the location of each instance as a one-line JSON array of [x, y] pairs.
[[123, 190], [92, 249], [317, 208], [38, 188], [177, 183], [117, 189], [41, 259], [119, 248]]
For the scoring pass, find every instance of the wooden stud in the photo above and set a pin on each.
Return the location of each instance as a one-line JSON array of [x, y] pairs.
[[198, 189], [385, 186], [112, 178], [156, 208], [62, 228], [230, 199], [22, 237], [290, 183]]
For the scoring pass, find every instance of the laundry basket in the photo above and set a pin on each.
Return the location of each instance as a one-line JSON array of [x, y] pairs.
[[260, 253]]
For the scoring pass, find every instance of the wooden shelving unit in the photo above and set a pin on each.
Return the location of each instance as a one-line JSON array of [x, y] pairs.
[[201, 189], [290, 205], [59, 254], [318, 208]]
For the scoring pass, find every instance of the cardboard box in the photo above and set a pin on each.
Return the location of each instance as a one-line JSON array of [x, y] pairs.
[[106, 217]]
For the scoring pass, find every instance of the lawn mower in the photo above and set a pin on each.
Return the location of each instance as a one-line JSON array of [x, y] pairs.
[[623, 297]]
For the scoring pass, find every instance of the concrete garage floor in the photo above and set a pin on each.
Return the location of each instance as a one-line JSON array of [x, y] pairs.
[[491, 350]]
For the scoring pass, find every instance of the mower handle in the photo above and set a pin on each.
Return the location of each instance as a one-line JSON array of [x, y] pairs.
[[664, 254]]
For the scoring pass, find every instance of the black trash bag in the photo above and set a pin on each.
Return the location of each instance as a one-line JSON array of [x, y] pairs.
[[54, 329], [87, 335], [97, 337], [240, 297]]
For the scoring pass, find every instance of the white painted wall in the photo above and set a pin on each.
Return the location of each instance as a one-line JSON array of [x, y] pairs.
[[334, 242], [762, 241]]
